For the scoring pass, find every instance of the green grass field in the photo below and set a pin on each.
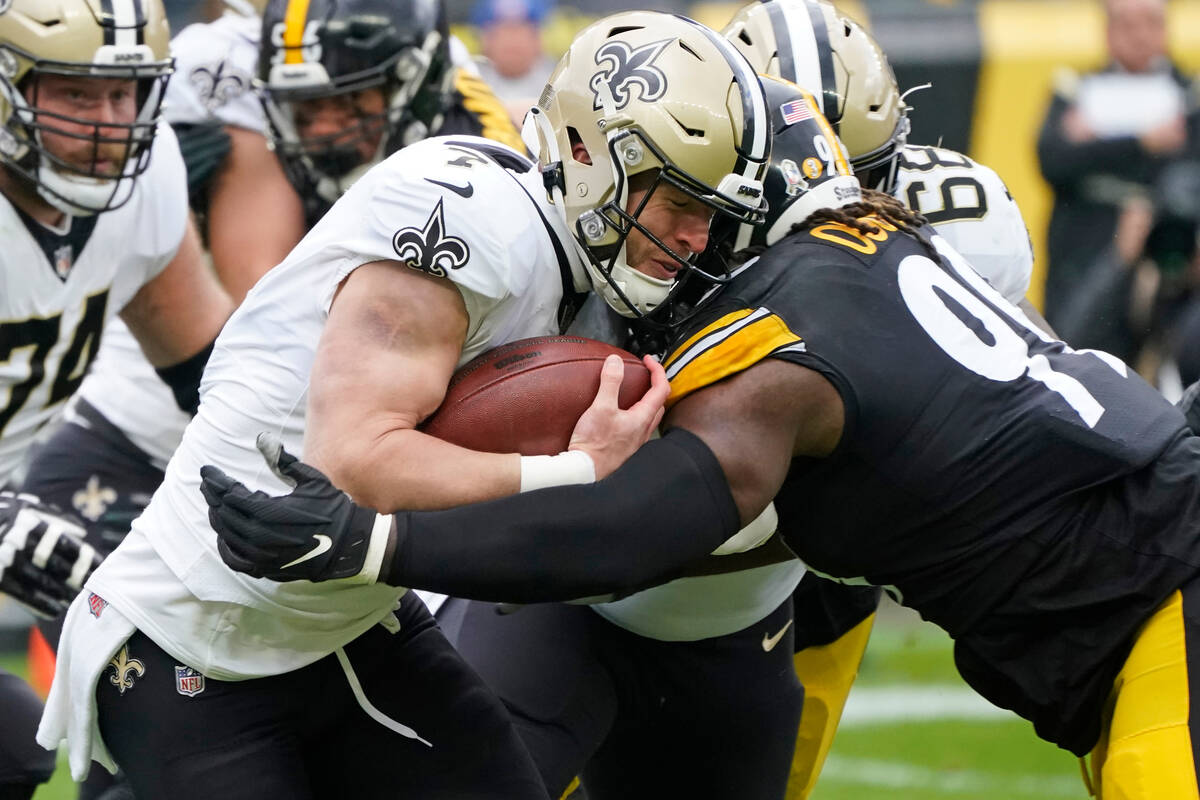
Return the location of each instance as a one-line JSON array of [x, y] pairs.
[[912, 731]]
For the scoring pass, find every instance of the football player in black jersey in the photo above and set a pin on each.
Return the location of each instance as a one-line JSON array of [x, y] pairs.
[[915, 430]]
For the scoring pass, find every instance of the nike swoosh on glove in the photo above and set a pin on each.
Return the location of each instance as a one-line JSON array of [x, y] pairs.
[[314, 533], [44, 560]]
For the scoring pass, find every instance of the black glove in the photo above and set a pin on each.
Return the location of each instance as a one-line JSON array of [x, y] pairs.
[[316, 533], [1189, 404], [44, 560]]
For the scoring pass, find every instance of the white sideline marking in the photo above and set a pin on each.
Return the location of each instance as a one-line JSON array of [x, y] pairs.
[[868, 705], [898, 775]]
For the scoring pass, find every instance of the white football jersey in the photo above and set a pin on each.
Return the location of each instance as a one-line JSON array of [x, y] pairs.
[[438, 206], [214, 65], [971, 207], [56, 297]]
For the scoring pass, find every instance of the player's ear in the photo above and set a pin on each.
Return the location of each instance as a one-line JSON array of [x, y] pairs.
[[579, 150]]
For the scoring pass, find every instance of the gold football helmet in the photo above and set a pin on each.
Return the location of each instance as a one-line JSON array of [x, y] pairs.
[[81, 39], [247, 8], [648, 92], [812, 44]]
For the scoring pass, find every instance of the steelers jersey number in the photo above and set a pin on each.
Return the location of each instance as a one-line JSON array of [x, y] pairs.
[[38, 335], [974, 333]]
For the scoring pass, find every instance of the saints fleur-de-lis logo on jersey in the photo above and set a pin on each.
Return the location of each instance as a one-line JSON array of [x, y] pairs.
[[217, 84], [126, 669], [623, 68], [93, 499], [430, 249]]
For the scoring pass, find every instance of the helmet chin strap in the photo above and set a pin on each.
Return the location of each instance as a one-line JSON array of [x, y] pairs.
[[538, 135]]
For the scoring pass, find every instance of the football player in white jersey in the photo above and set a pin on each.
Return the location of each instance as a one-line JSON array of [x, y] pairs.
[[196, 679], [813, 44], [84, 161], [107, 462]]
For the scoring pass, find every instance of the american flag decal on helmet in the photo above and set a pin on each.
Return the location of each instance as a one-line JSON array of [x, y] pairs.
[[795, 111]]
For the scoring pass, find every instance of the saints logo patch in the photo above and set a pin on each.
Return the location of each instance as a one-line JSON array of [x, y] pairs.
[[623, 68], [216, 85], [430, 249], [125, 670], [94, 499]]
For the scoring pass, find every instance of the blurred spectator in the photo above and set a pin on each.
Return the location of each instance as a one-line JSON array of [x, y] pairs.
[[1140, 300], [1106, 138], [513, 64]]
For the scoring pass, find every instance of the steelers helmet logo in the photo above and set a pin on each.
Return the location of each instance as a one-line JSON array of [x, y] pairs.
[[623, 69], [812, 168]]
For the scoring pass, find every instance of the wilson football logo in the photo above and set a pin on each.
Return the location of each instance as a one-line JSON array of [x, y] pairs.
[[624, 68], [430, 249]]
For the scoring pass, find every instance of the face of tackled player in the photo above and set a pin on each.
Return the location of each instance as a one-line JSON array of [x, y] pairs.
[[651, 127]]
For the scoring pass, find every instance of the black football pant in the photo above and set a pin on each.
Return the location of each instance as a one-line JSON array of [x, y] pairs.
[[304, 734], [638, 717], [92, 469]]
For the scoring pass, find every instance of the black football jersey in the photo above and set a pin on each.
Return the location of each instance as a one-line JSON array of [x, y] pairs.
[[974, 444]]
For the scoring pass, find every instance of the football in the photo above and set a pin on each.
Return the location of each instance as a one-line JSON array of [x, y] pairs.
[[526, 396]]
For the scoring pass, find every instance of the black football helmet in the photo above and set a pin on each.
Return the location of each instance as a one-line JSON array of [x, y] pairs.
[[314, 49], [809, 169]]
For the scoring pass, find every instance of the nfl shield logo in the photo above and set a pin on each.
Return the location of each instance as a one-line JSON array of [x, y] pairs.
[[97, 604], [188, 681]]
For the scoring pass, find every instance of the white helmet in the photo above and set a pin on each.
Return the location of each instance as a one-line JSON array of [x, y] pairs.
[[812, 44], [646, 91]]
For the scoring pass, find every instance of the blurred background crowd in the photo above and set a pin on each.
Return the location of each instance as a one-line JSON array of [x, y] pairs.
[[1088, 111]]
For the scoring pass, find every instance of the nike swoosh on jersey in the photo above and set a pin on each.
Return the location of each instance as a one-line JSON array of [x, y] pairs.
[[461, 191], [323, 544], [769, 642]]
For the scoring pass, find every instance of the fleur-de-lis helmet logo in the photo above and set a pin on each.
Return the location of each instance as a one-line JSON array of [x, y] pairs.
[[623, 68], [216, 86], [430, 249]]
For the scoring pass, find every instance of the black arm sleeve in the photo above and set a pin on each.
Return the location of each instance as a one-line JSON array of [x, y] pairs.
[[668, 505], [184, 379]]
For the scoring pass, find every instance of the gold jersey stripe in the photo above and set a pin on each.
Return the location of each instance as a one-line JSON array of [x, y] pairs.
[[294, 20], [681, 352], [493, 117], [723, 355]]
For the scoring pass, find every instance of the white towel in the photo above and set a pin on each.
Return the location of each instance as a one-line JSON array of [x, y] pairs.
[[92, 634]]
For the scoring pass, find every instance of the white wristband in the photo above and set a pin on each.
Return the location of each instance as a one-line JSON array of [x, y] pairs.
[[564, 469]]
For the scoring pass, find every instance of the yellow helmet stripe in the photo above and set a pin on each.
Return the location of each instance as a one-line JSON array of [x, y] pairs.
[[294, 20], [827, 129]]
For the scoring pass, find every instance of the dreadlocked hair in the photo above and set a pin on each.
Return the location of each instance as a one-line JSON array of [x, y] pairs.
[[858, 217]]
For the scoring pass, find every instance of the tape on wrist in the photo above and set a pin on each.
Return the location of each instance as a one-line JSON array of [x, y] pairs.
[[564, 469]]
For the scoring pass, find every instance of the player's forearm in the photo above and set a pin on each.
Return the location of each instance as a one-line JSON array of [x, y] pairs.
[[396, 468], [666, 507]]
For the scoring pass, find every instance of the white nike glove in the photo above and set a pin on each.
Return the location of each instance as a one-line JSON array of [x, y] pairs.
[[315, 533]]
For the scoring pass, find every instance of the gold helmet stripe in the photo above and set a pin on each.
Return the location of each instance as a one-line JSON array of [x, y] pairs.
[[835, 144], [294, 20]]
